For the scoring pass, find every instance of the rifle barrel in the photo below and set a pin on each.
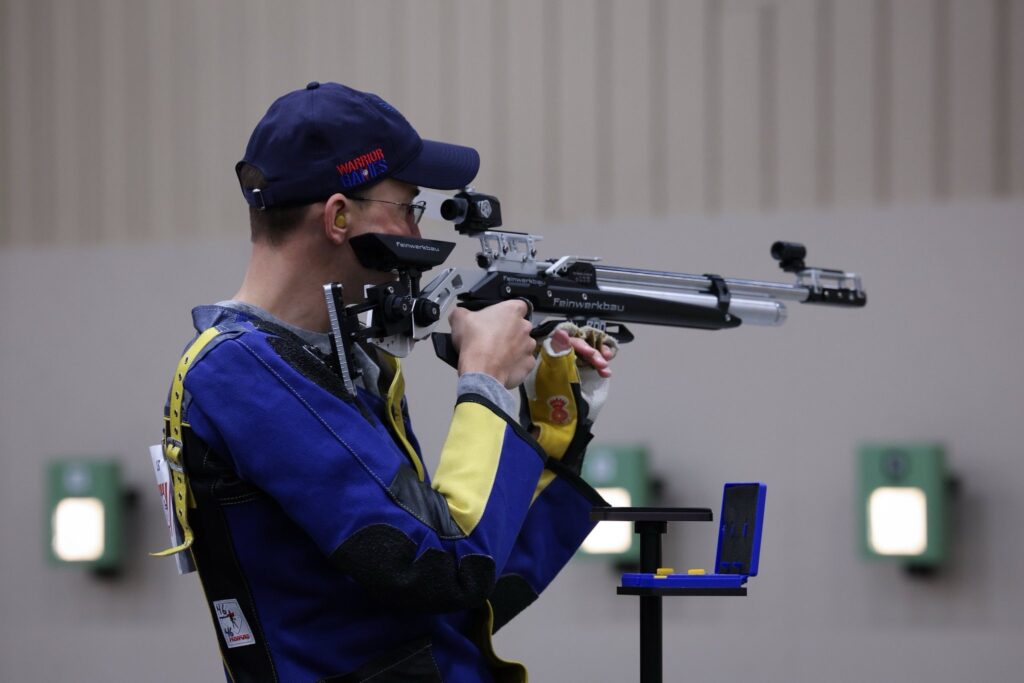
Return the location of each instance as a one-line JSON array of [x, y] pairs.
[[661, 282]]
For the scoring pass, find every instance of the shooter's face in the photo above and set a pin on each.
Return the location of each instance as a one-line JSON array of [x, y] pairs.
[[388, 212]]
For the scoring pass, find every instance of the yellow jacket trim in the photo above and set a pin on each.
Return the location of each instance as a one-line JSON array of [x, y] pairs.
[[469, 463], [504, 671], [546, 477], [393, 409]]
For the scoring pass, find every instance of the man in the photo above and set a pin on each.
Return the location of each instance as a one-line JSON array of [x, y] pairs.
[[324, 549]]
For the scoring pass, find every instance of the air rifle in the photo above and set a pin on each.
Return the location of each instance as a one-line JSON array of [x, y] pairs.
[[397, 314]]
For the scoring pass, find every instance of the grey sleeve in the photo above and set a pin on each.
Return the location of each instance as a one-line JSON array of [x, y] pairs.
[[488, 387]]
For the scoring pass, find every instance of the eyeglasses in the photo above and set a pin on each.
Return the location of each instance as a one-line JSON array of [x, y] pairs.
[[414, 210]]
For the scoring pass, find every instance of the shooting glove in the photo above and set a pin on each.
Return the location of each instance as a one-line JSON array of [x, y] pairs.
[[562, 396], [593, 387]]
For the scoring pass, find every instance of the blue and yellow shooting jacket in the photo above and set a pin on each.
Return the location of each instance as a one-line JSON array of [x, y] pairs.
[[314, 515]]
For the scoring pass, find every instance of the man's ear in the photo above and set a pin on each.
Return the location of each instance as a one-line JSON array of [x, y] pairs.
[[335, 218]]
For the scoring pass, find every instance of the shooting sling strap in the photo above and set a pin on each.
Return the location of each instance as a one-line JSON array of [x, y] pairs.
[[395, 380], [183, 498]]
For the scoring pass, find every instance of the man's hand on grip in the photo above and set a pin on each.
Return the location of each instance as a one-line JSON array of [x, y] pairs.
[[495, 341]]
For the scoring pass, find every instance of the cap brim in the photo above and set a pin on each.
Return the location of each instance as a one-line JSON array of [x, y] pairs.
[[441, 166]]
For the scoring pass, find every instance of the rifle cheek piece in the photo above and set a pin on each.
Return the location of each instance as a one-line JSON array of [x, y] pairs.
[[391, 252]]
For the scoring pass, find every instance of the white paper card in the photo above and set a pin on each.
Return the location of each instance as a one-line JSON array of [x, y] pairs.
[[183, 560]]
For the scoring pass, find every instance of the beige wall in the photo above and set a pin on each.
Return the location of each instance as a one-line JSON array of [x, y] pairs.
[[122, 119], [687, 136]]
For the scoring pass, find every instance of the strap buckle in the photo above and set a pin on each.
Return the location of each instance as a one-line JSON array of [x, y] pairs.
[[257, 197]]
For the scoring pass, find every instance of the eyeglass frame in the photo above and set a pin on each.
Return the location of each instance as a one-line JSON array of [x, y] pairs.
[[415, 209]]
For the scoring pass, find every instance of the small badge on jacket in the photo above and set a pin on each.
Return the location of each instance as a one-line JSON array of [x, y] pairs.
[[232, 623], [559, 415]]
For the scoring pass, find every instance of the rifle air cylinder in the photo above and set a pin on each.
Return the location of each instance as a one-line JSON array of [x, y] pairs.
[[749, 298], [750, 311]]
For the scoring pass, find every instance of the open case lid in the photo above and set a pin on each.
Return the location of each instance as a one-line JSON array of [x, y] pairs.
[[739, 530]]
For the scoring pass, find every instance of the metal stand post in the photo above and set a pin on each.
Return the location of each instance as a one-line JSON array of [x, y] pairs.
[[650, 605]]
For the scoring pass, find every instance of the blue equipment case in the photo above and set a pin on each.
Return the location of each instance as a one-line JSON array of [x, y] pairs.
[[739, 545]]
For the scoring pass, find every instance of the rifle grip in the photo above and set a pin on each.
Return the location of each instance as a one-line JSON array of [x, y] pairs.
[[442, 341], [445, 349]]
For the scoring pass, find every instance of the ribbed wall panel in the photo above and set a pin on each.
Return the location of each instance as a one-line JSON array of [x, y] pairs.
[[628, 151], [739, 135], [576, 150], [796, 102], [912, 81], [972, 97], [121, 120], [527, 162], [684, 145], [1015, 117], [854, 95]]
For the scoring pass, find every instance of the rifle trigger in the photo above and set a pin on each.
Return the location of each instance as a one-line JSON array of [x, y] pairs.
[[621, 333], [529, 307], [545, 328]]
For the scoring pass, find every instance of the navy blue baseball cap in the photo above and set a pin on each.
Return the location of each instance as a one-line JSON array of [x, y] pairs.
[[329, 138]]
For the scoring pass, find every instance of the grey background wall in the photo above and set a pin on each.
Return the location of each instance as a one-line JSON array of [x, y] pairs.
[[674, 135]]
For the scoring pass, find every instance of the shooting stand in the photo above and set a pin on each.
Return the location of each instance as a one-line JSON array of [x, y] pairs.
[[651, 524]]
